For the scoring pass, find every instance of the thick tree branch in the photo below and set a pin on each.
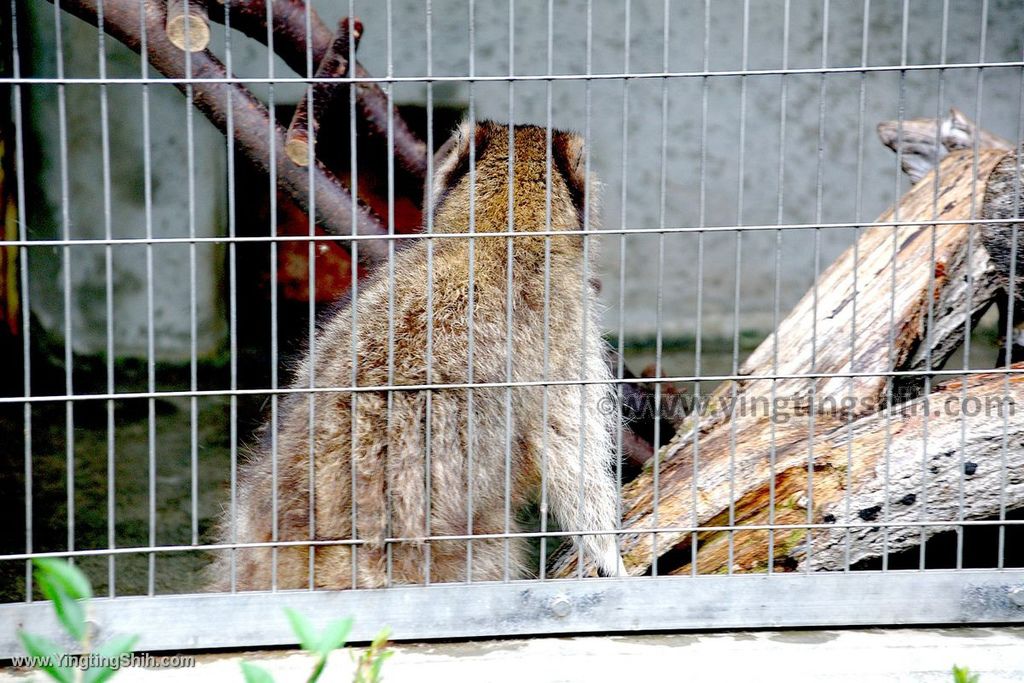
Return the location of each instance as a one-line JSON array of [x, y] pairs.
[[252, 129], [305, 124], [289, 24]]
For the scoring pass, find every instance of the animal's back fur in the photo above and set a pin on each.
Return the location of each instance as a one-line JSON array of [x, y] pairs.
[[370, 448]]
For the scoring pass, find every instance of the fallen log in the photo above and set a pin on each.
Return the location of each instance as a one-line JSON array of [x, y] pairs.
[[884, 483], [901, 299]]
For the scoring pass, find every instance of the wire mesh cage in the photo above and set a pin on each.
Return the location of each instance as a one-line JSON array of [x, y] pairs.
[[291, 333]]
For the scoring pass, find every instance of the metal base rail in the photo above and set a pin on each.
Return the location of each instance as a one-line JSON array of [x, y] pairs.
[[186, 622]]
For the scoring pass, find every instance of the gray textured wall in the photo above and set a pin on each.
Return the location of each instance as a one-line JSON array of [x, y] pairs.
[[833, 168]]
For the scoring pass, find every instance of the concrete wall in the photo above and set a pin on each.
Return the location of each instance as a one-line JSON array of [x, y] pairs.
[[832, 167]]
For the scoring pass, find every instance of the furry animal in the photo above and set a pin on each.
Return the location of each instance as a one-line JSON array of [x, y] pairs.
[[408, 464]]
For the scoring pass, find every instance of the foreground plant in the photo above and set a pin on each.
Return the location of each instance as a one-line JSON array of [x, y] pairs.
[[69, 590], [964, 675], [333, 637]]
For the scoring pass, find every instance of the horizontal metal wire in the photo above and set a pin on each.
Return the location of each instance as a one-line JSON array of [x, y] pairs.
[[632, 531], [122, 241], [542, 78], [501, 385]]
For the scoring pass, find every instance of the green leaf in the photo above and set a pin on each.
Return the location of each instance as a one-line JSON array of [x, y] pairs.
[[334, 636], [377, 663], [112, 649], [64, 574], [69, 611], [303, 629], [256, 674], [964, 675], [46, 651]]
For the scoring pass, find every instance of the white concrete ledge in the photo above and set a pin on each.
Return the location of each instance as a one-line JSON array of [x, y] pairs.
[[861, 656]]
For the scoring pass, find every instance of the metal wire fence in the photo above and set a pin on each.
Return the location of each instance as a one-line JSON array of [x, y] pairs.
[[233, 440]]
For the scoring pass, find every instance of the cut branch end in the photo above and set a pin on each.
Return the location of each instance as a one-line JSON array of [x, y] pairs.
[[188, 26], [297, 149]]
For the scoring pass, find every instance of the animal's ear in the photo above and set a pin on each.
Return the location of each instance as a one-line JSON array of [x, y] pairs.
[[451, 162], [570, 155]]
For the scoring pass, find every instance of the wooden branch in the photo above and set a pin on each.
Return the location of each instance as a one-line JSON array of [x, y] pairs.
[[289, 26], [252, 130], [904, 465], [303, 128], [918, 288], [288, 19], [187, 25], [923, 143]]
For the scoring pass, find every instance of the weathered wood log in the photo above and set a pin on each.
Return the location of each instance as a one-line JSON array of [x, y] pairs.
[[921, 143], [916, 463], [901, 298], [898, 297]]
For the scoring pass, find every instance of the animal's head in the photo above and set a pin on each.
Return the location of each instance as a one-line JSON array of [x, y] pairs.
[[546, 176]]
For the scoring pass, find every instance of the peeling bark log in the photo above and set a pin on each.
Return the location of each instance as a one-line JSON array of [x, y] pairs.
[[918, 289], [915, 284], [921, 144], [914, 463]]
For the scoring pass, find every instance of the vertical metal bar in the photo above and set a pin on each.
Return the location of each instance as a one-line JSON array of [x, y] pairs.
[[391, 268], [891, 345], [1011, 301], [777, 295], [147, 166], [69, 420], [621, 363], [311, 249], [471, 285], [542, 573], [429, 210], [108, 276], [819, 182], [961, 494], [585, 281], [193, 359], [933, 230], [509, 280], [858, 199], [660, 288], [26, 315], [738, 265], [698, 346], [232, 303], [272, 187], [354, 309]]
